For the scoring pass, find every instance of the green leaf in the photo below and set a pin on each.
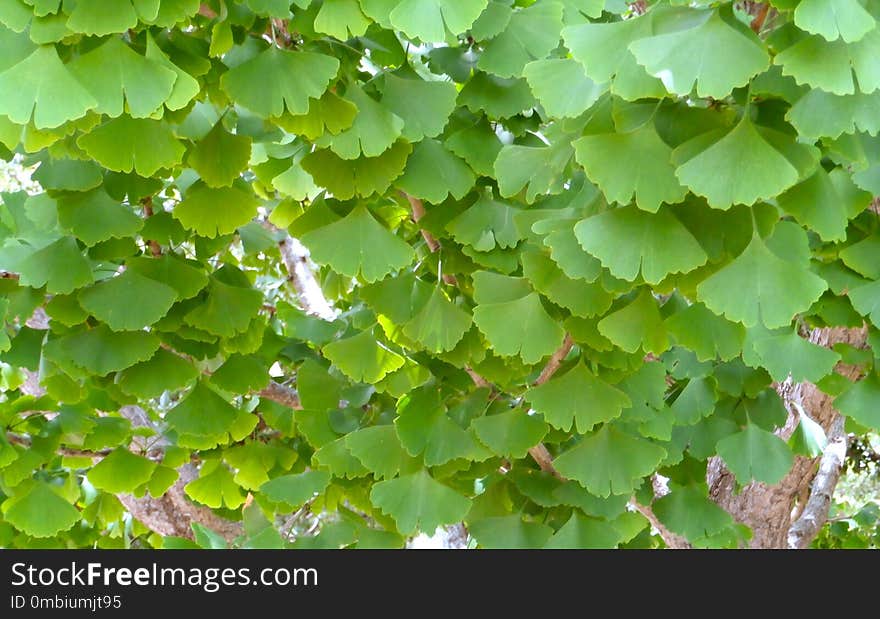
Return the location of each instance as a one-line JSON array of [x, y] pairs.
[[424, 106], [121, 471], [40, 511], [717, 53], [789, 353], [536, 336], [215, 487], [100, 17], [586, 533], [610, 461], [760, 286], [59, 266], [417, 502], [531, 34], [220, 156], [68, 174], [297, 489], [363, 176], [370, 250], [638, 325], [241, 374], [43, 88], [94, 217], [830, 65], [498, 97], [379, 450], [164, 371], [696, 400], [579, 297], [578, 397], [650, 177], [510, 434], [439, 325], [203, 414], [538, 170], [433, 173], [487, 224], [128, 302], [183, 276], [866, 300], [740, 168], [708, 335], [227, 310], [276, 79], [342, 19], [824, 202], [861, 257], [860, 401], [562, 86], [374, 130], [820, 113], [509, 532], [362, 358], [427, 20], [757, 454], [101, 351], [808, 438], [834, 19], [122, 80], [212, 211], [689, 512], [125, 144], [657, 244]]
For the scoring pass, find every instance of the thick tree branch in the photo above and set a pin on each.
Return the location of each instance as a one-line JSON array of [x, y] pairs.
[[815, 512], [282, 395], [300, 273], [672, 540]]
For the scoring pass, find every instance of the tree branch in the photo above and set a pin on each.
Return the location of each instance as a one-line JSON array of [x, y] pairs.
[[760, 18], [25, 441], [155, 249], [418, 211], [282, 395], [555, 361], [815, 512], [672, 540], [300, 273]]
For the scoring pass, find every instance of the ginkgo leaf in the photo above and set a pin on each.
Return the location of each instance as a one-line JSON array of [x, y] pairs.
[[609, 461], [439, 325], [833, 19], [760, 286], [696, 400], [509, 532], [121, 471], [789, 353], [531, 34], [579, 297], [362, 357], [372, 251], [296, 489], [638, 325], [164, 371], [216, 487], [220, 156], [418, 502], [330, 113], [651, 179], [754, 453], [278, 79], [567, 252], [270, 8], [342, 19], [210, 211], [657, 243], [433, 173], [124, 144], [861, 257], [830, 65], [202, 413], [823, 114], [536, 336], [538, 170], [825, 202], [562, 86], [227, 309], [101, 351], [241, 374], [43, 88], [510, 434], [185, 277], [708, 335], [578, 397], [374, 130], [186, 87], [40, 511], [487, 224], [60, 267], [866, 300], [718, 53], [497, 96], [363, 176], [68, 174], [128, 302], [860, 401], [424, 106], [688, 511], [122, 80], [740, 168], [427, 20], [94, 217], [100, 17], [379, 449], [585, 533]]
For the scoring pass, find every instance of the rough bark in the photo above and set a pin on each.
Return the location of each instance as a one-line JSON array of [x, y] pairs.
[[765, 508]]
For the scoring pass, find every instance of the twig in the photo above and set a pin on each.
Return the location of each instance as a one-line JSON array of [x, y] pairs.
[[147, 203], [27, 442], [672, 540], [758, 21], [815, 512], [418, 211], [479, 381], [282, 395], [555, 361]]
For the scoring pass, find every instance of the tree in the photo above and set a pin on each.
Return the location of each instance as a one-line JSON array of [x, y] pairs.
[[564, 273]]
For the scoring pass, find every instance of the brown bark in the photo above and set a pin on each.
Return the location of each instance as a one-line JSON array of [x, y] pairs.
[[765, 508]]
